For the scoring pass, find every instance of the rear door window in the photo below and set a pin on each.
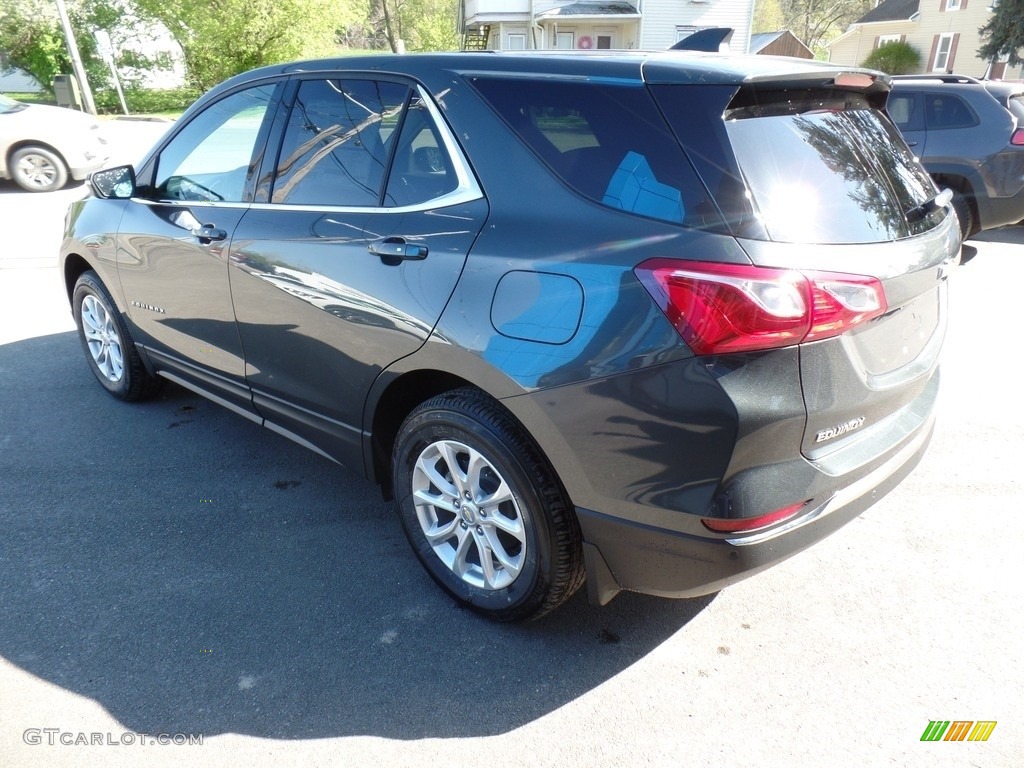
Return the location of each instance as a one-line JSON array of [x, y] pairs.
[[905, 111], [421, 169], [336, 144], [943, 111]]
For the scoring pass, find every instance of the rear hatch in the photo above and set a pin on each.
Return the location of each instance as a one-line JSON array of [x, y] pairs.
[[812, 176]]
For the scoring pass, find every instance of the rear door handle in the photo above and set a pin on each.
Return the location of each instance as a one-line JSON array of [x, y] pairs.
[[394, 250]]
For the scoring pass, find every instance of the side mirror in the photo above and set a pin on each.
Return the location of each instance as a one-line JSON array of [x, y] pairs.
[[113, 183]]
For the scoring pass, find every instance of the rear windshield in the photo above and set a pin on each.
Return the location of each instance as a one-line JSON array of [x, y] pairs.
[[818, 166]]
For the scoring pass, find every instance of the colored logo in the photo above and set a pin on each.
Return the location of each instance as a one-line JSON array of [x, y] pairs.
[[958, 730]]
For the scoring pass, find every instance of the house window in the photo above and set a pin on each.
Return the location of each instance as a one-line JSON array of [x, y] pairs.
[[953, 5], [684, 32], [515, 41], [886, 39], [604, 42], [942, 53], [565, 41]]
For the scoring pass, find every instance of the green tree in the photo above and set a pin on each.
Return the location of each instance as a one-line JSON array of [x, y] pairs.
[[430, 25], [221, 38], [768, 17], [894, 59], [816, 22], [1003, 36], [31, 36], [419, 25]]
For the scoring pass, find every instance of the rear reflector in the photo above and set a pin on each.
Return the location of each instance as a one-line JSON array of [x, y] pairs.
[[720, 308], [748, 524]]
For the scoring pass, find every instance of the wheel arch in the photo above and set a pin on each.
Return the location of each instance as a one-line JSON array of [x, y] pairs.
[[23, 143], [74, 267], [960, 181], [400, 396]]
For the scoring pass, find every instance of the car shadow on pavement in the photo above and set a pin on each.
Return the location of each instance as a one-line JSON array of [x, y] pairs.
[[194, 573]]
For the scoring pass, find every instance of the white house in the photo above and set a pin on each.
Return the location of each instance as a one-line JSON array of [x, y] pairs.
[[945, 33], [599, 24]]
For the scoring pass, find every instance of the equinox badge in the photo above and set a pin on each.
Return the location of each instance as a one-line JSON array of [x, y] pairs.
[[840, 429]]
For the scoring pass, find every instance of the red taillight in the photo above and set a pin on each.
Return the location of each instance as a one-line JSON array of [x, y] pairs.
[[719, 308], [748, 524], [1017, 139]]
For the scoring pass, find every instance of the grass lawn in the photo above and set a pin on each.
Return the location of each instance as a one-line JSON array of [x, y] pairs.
[[165, 104]]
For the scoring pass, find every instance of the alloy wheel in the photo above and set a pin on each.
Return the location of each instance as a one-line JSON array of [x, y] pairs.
[[469, 514], [102, 338]]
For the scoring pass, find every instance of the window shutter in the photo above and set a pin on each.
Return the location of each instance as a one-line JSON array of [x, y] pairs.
[[963, 4], [877, 38], [942, 6], [931, 56], [903, 38]]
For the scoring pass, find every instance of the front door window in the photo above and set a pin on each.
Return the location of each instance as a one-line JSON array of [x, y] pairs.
[[208, 161]]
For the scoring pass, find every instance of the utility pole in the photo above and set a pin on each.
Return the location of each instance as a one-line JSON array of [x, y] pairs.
[[76, 59]]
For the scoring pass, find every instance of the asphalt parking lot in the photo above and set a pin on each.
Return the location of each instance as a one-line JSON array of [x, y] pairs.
[[170, 569]]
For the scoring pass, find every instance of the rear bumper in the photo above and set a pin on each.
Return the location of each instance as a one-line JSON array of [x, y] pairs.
[[622, 554]]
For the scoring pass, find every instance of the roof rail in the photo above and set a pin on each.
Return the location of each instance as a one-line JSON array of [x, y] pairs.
[[942, 78]]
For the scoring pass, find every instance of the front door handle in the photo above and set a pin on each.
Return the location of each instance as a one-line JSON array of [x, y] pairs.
[[207, 233], [394, 250]]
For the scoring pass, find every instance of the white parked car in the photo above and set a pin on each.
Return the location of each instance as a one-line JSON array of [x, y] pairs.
[[42, 147]]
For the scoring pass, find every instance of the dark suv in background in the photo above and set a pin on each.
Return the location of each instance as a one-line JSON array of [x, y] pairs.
[[655, 321], [969, 135]]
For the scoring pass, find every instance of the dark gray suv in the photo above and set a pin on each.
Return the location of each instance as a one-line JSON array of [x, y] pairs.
[[655, 322], [969, 135]]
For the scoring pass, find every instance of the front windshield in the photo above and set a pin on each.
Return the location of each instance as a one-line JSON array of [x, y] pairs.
[[9, 105]]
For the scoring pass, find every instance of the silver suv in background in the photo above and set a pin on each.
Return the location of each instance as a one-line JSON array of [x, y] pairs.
[[969, 135]]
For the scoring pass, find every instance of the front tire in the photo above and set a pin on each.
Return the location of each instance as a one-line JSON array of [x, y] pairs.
[[108, 346], [37, 169], [483, 510]]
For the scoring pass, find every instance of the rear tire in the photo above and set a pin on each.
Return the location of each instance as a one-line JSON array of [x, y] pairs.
[[109, 349], [483, 509]]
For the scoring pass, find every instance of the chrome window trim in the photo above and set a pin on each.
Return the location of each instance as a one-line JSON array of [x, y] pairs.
[[467, 189], [191, 203]]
